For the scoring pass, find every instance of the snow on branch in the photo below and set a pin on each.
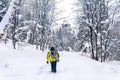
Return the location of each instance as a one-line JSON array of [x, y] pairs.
[[7, 16], [5, 21]]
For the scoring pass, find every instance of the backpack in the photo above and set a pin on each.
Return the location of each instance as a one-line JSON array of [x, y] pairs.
[[54, 55]]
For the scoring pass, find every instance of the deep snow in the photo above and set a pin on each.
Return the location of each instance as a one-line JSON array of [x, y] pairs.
[[29, 64]]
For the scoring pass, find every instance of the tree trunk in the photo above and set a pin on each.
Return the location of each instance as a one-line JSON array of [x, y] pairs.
[[96, 46], [91, 40]]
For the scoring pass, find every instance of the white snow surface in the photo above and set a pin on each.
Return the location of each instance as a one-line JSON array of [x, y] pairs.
[[30, 64]]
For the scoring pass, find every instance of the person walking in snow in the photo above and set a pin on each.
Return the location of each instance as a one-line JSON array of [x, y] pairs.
[[53, 58]]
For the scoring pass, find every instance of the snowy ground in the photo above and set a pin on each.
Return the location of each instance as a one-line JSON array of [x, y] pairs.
[[29, 64]]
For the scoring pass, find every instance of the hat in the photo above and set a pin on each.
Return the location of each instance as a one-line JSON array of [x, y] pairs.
[[52, 49]]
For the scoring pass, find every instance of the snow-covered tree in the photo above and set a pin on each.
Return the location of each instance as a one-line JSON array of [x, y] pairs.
[[64, 38], [114, 38], [94, 23], [38, 16], [3, 8], [5, 22], [14, 23]]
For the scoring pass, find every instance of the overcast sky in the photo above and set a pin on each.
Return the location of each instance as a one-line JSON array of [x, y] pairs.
[[66, 6]]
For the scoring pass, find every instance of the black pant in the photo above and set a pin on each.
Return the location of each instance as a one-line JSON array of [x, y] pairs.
[[53, 66]]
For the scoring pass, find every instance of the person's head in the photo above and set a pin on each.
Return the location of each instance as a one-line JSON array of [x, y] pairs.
[[52, 49]]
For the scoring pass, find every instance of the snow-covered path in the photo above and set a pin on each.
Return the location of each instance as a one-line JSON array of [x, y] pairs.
[[29, 64]]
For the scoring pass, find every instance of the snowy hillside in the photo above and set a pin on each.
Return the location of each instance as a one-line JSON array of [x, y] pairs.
[[29, 64]]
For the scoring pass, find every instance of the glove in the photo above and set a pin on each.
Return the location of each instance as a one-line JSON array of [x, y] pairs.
[[47, 62]]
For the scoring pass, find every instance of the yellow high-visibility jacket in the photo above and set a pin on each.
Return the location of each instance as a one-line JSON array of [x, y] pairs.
[[50, 58]]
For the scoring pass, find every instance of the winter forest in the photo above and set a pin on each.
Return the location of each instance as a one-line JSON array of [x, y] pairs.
[[90, 27], [94, 28]]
